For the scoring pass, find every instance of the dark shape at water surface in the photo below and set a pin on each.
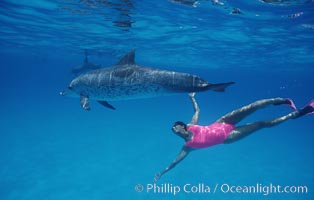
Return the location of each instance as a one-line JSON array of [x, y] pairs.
[[122, 11], [185, 2]]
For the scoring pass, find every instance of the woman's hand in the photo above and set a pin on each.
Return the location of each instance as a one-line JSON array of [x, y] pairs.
[[192, 95], [157, 177]]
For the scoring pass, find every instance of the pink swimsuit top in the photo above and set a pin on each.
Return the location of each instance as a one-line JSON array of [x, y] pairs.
[[206, 136]]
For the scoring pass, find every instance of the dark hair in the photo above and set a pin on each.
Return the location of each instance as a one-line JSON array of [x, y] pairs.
[[181, 124]]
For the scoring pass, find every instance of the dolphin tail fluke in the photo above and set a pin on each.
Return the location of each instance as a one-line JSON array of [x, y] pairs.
[[219, 87]]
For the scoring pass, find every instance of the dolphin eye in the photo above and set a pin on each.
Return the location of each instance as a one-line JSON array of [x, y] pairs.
[[69, 87]]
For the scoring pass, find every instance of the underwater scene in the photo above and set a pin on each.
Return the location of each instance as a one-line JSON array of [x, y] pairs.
[[167, 99]]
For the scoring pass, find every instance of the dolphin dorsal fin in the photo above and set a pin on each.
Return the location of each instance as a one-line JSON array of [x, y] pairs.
[[128, 59]]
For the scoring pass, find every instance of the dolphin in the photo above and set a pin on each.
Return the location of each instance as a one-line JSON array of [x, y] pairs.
[[85, 67], [127, 80]]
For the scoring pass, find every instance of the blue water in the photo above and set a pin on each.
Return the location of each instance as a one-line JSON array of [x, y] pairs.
[[50, 148]]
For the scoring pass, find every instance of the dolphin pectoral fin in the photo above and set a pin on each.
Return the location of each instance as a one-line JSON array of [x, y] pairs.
[[219, 87], [106, 104], [84, 102]]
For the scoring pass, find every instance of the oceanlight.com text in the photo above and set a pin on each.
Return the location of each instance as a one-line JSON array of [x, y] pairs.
[[263, 189], [202, 188]]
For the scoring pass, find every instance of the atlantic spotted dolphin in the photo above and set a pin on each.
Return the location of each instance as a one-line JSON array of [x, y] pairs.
[[127, 80]]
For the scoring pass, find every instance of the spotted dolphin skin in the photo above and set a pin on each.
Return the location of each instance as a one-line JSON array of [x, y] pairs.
[[127, 80]]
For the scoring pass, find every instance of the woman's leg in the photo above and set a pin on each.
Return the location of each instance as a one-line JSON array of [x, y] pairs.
[[245, 130], [237, 115]]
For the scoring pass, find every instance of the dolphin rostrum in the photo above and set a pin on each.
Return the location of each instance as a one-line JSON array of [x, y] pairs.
[[127, 80]]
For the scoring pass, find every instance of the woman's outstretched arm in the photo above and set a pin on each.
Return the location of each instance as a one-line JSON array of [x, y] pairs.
[[183, 153], [196, 109]]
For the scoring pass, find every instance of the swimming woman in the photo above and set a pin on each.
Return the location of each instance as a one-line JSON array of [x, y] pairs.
[[224, 130]]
